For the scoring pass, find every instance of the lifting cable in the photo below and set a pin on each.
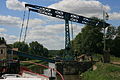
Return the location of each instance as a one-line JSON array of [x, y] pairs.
[[26, 25], [22, 25], [71, 30]]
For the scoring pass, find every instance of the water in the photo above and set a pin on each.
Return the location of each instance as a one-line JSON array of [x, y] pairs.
[[71, 77]]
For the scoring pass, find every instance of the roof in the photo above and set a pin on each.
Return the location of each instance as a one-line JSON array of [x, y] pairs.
[[3, 46]]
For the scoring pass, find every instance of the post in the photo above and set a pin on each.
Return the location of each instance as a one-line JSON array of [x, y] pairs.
[[106, 55], [51, 77]]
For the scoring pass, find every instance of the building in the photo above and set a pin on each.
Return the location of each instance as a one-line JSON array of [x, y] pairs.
[[3, 48]]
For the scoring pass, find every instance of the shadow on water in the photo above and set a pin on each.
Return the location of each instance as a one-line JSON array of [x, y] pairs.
[[71, 77]]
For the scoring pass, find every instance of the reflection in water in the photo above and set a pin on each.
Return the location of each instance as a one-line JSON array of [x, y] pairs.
[[71, 77]]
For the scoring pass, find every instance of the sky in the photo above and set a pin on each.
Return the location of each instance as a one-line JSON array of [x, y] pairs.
[[47, 30]]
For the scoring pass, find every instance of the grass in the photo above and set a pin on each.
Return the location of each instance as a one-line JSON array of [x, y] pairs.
[[35, 68], [115, 59], [104, 71]]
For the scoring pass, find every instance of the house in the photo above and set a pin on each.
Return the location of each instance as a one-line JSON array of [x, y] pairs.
[[3, 48]]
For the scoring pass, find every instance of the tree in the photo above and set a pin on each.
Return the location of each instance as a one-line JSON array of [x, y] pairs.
[[115, 46], [46, 52], [77, 44], [37, 49], [22, 46], [89, 40]]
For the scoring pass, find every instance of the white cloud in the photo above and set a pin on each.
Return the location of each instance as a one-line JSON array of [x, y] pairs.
[[87, 8], [51, 36], [45, 34], [114, 16], [16, 21], [15, 5], [9, 38], [3, 30], [35, 22], [10, 21]]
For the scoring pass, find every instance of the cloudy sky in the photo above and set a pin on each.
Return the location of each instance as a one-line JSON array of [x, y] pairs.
[[47, 30]]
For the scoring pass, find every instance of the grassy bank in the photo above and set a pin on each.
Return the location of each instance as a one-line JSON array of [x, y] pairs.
[[104, 71], [35, 68]]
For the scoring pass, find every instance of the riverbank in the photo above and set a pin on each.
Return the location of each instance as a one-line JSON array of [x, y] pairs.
[[104, 71]]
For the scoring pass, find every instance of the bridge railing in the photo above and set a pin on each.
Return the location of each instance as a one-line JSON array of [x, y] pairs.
[[51, 69]]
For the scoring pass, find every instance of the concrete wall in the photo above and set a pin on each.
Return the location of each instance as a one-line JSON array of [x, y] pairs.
[[71, 68]]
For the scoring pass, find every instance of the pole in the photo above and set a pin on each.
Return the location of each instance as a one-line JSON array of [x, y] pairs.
[[71, 30], [106, 57], [104, 40], [104, 30]]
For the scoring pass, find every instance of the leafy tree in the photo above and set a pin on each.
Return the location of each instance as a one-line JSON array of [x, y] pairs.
[[46, 52], [37, 49], [89, 40], [115, 45], [77, 44], [22, 46]]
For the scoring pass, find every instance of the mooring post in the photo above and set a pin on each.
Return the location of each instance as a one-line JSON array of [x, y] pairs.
[[51, 77]]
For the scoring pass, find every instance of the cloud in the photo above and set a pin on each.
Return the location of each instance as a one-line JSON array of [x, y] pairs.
[[3, 30], [9, 38], [51, 36], [35, 22], [88, 8], [10, 21], [38, 30], [15, 5], [114, 16]]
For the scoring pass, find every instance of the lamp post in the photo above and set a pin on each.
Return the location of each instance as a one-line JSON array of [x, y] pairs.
[[106, 55]]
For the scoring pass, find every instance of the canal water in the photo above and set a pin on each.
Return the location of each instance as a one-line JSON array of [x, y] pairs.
[[70, 77]]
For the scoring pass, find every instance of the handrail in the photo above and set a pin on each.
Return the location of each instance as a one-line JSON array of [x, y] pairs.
[[39, 65], [27, 70], [46, 67]]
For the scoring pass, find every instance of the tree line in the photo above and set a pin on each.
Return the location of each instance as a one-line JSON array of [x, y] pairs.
[[33, 48], [91, 40]]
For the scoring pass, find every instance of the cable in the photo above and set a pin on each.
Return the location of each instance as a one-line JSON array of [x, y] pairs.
[[22, 25], [71, 30], [27, 26]]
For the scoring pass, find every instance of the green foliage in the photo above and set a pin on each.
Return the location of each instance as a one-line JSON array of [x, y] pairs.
[[37, 49], [114, 44], [115, 48], [89, 40], [22, 46], [53, 53], [33, 48], [103, 72]]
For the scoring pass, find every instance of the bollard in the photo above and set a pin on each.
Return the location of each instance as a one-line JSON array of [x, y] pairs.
[[51, 78]]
